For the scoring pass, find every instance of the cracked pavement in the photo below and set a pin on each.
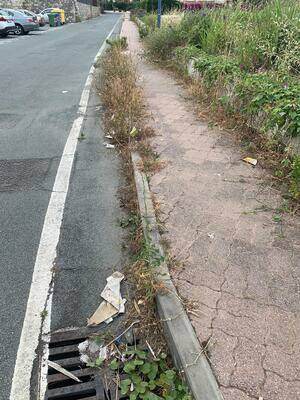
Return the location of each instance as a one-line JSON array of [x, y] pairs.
[[238, 268]]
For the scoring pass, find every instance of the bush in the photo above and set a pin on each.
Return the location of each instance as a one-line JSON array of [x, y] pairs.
[[295, 178], [161, 43], [278, 98], [214, 68]]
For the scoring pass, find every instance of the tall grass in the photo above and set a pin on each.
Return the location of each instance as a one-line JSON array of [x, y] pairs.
[[122, 98], [258, 38]]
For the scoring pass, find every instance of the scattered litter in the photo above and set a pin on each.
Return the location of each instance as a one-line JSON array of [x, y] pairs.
[[249, 160], [85, 359], [211, 235], [136, 307], [260, 398], [114, 303], [133, 132], [104, 313], [90, 350], [109, 146], [108, 136], [62, 370], [151, 350], [111, 292], [65, 91], [123, 333], [98, 108]]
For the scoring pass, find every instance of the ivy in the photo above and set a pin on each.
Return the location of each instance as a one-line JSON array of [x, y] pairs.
[[278, 98]]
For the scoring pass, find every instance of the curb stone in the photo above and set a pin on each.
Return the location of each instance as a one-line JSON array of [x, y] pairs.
[[186, 351]]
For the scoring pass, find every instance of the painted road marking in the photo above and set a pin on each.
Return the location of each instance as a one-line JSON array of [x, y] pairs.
[[40, 295]]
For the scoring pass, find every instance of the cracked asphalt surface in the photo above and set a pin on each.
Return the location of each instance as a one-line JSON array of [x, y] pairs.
[[35, 120], [239, 267]]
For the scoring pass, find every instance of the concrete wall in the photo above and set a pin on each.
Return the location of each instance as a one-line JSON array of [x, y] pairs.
[[71, 7]]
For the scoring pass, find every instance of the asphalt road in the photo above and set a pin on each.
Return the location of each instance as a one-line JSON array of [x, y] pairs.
[[41, 79]]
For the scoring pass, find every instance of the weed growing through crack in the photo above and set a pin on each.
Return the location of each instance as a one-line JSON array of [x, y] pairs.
[[82, 136], [44, 314]]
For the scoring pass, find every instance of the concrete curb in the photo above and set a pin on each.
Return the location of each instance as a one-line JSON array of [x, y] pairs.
[[182, 341]]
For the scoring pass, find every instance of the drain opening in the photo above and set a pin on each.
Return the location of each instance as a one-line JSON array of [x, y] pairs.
[[63, 349]]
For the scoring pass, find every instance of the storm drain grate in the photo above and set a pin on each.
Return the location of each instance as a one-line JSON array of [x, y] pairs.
[[63, 349]]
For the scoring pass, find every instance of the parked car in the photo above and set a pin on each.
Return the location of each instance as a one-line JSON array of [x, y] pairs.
[[36, 17], [24, 24], [44, 14], [59, 11], [7, 25]]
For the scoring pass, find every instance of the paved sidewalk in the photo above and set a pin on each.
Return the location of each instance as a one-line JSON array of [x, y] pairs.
[[239, 266]]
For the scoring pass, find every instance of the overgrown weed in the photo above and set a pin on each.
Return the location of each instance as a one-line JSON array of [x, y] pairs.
[[125, 119]]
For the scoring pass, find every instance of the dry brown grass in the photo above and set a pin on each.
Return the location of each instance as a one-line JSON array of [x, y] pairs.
[[122, 97], [124, 110]]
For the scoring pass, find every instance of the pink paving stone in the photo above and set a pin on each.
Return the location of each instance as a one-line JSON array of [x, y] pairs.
[[280, 362], [278, 388], [248, 374], [234, 394], [204, 189], [221, 348]]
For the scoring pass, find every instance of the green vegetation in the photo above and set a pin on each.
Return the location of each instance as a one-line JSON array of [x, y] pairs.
[[248, 61], [149, 378], [142, 6]]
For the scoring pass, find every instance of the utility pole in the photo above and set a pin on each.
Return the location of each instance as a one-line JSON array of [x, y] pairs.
[[158, 13]]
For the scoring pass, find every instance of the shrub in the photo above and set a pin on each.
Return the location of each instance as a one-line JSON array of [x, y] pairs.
[[161, 43], [295, 178], [277, 97], [213, 68]]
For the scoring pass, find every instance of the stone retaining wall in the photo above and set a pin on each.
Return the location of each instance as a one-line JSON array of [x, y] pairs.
[[84, 10]]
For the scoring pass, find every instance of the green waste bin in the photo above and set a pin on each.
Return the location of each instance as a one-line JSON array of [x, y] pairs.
[[51, 20]]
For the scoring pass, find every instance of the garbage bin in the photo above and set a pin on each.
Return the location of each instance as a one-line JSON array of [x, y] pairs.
[[57, 19], [61, 13], [51, 20]]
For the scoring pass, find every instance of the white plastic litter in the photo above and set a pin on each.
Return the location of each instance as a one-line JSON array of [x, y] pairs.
[[62, 370], [90, 350], [113, 303], [109, 145]]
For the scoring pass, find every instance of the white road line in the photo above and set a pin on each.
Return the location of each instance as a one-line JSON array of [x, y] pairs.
[[40, 295]]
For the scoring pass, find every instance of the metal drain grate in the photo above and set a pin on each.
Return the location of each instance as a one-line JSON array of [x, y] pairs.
[[63, 349]]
